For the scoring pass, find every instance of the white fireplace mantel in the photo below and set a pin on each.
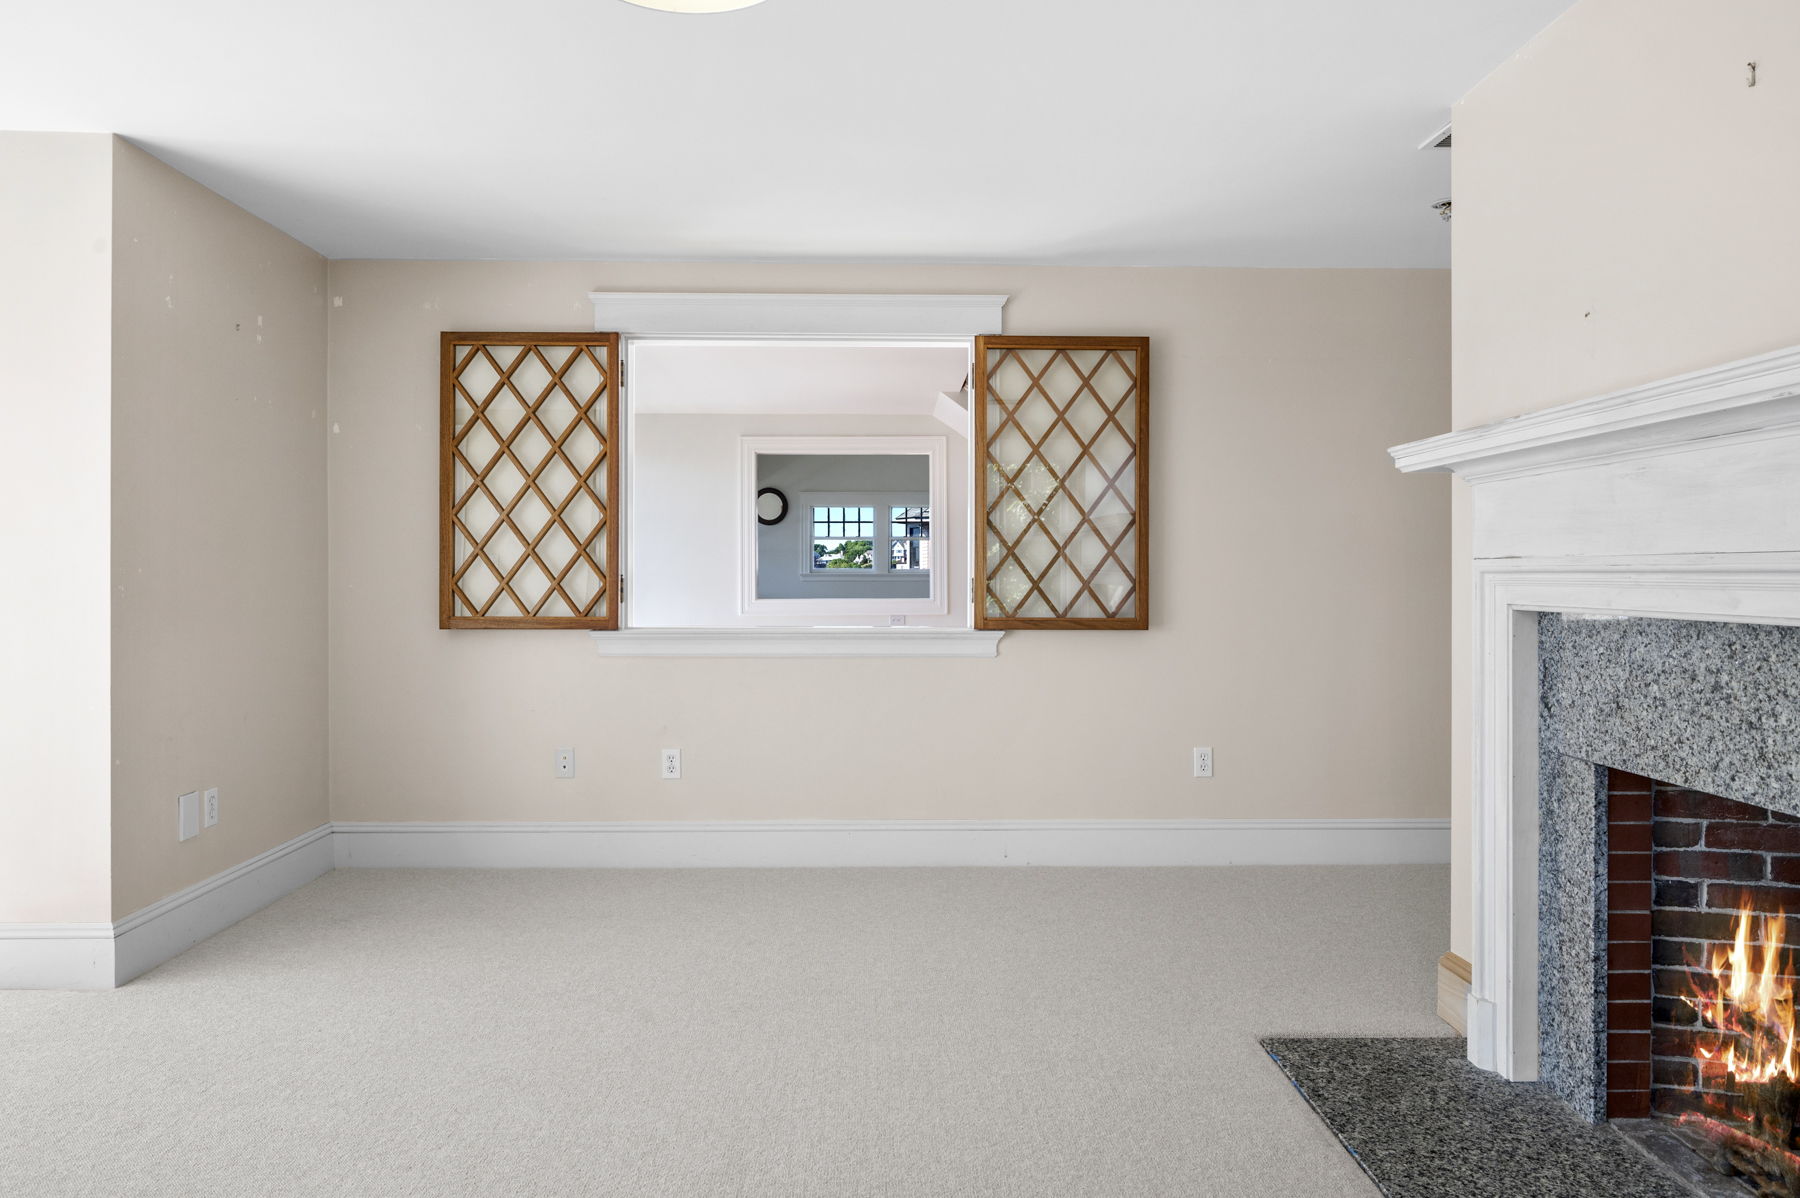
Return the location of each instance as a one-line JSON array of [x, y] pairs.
[[1753, 398], [1677, 500]]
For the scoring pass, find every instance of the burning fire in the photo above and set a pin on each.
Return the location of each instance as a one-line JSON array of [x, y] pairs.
[[1753, 1006]]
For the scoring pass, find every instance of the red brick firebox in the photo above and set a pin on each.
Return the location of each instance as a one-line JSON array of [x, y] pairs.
[[1680, 864]]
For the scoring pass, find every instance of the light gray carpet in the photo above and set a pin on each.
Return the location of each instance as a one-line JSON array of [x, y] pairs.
[[1028, 1032], [1427, 1124]]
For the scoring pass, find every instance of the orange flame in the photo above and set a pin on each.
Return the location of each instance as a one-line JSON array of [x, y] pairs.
[[1753, 1006]]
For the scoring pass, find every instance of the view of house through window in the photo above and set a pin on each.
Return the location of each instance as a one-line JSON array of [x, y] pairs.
[[909, 533]]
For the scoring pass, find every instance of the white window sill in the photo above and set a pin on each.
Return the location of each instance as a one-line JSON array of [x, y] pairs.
[[797, 642]]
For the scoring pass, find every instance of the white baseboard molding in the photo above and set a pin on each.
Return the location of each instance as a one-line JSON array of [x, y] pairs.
[[56, 956], [1453, 992], [148, 937], [829, 843], [102, 956]]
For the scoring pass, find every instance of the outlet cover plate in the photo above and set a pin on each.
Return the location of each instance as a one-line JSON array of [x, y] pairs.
[[1202, 763], [209, 807]]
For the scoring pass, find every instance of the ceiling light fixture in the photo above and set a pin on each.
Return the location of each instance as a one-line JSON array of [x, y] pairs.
[[694, 5]]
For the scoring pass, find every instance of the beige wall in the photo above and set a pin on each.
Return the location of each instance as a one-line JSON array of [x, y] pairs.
[[1300, 607], [218, 530], [55, 280], [1625, 210]]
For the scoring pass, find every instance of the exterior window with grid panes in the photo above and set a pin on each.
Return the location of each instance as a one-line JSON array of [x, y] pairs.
[[869, 534], [843, 538], [909, 538]]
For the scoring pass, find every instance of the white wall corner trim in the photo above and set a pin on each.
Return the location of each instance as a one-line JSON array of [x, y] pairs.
[[797, 642], [1753, 398], [837, 843], [754, 314], [101, 956]]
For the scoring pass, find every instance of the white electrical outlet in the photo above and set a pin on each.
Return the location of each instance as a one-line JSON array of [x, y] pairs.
[[896, 621], [1202, 763], [565, 763], [187, 814], [671, 763], [209, 807]]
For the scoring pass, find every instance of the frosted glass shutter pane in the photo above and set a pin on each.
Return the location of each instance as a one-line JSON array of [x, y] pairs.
[[1062, 491], [530, 483]]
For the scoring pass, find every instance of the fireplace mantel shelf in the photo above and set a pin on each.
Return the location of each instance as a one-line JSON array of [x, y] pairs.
[[1752, 398]]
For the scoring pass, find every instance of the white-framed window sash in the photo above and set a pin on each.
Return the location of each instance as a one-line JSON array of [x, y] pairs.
[[937, 600]]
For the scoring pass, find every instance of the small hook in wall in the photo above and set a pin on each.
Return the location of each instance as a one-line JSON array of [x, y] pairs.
[[1750, 79]]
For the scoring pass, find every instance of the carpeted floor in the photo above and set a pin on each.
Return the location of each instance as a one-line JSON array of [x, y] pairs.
[[1427, 1124], [997, 1032]]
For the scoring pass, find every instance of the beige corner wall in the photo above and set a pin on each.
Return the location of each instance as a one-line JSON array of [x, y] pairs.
[[1625, 211], [218, 530], [1300, 605], [55, 266]]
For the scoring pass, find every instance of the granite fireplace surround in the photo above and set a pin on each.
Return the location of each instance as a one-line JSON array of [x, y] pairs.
[[1708, 706]]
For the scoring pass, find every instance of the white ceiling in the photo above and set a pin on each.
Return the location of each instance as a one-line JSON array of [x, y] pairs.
[[1199, 132], [794, 379]]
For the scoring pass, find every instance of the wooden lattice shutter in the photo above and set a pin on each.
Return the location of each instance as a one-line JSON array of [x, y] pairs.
[[1062, 485], [528, 480]]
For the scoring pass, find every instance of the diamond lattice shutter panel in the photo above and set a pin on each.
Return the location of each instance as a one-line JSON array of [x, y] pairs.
[[1062, 426], [528, 480]]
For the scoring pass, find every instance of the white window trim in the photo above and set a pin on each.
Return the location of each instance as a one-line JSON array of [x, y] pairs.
[[937, 602], [882, 539], [879, 320], [754, 314], [797, 642]]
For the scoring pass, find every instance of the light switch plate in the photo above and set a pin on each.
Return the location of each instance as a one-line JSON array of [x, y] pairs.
[[188, 815]]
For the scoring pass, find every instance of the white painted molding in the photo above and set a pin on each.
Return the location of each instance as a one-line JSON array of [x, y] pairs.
[[750, 314], [1760, 588], [56, 956], [165, 929], [797, 642], [837, 843], [1752, 399], [101, 956]]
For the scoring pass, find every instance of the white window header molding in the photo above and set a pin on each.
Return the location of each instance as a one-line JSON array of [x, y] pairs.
[[767, 314], [797, 642]]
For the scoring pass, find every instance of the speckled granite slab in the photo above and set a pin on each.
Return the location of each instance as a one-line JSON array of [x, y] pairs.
[[1424, 1123], [1713, 707], [1572, 932]]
